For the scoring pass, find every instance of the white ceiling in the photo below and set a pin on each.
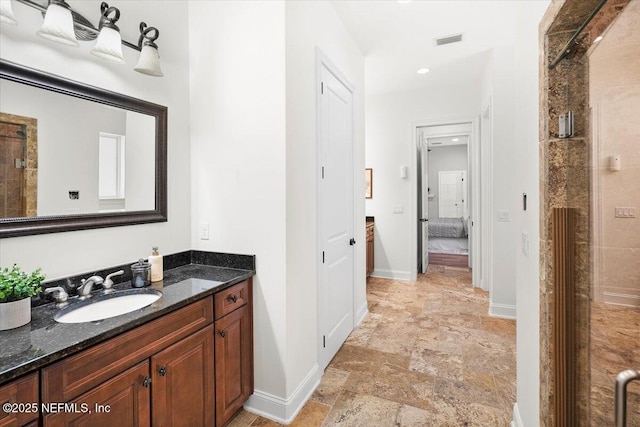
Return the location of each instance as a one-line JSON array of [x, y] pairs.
[[397, 39]]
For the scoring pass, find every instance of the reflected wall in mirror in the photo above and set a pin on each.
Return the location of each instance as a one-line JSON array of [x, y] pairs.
[[74, 156]]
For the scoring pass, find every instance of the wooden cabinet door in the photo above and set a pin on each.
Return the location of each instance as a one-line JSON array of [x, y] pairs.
[[120, 401], [183, 382], [234, 362], [23, 391]]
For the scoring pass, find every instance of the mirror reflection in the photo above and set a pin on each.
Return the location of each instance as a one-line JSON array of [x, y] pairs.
[[61, 155]]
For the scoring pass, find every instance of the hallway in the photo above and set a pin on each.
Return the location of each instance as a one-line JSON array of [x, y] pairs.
[[427, 354]]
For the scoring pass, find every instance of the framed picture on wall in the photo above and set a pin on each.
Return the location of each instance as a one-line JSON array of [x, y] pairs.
[[368, 174]]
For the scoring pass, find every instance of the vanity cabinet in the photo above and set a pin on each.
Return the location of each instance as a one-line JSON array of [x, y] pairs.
[[233, 351], [23, 390], [182, 382], [191, 367]]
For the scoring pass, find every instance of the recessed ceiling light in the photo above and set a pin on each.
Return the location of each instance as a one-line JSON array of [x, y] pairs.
[[455, 139], [597, 39], [423, 71]]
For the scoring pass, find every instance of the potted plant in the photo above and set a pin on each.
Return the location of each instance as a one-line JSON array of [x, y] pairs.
[[16, 289]]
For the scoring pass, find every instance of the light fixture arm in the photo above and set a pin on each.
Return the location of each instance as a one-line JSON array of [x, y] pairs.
[[106, 20], [146, 36], [81, 22]]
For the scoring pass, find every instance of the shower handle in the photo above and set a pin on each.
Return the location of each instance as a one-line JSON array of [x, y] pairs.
[[623, 379]]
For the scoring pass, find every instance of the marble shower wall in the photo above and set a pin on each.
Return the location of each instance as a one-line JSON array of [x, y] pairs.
[[565, 181]]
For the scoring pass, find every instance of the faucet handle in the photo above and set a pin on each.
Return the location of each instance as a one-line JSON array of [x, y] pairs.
[[108, 283], [59, 294]]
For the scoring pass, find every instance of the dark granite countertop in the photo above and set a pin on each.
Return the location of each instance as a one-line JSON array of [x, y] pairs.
[[44, 341]]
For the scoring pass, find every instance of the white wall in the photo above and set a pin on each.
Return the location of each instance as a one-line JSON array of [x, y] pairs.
[[254, 170], [500, 84], [528, 15], [389, 125], [448, 158], [139, 162], [62, 254], [239, 158]]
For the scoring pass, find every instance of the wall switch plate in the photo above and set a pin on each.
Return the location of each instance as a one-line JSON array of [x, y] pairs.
[[204, 231], [398, 209], [504, 216], [629, 212], [525, 243]]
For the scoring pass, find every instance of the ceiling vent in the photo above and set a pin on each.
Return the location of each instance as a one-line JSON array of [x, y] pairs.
[[449, 39]]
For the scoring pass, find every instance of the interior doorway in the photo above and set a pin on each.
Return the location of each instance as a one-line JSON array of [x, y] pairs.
[[447, 165]]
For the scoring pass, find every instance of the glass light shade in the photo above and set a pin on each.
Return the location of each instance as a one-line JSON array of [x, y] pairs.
[[109, 45], [58, 25], [6, 13], [149, 62]]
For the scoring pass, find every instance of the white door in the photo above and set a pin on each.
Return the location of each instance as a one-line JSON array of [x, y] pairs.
[[336, 214], [424, 215], [451, 194]]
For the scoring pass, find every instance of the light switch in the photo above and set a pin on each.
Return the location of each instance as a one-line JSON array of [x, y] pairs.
[[629, 212], [504, 216], [525, 243], [398, 209], [204, 231]]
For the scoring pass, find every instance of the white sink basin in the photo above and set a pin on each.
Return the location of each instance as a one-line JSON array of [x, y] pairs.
[[107, 305]]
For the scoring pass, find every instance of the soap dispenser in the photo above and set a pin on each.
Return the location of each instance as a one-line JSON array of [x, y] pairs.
[[156, 265]]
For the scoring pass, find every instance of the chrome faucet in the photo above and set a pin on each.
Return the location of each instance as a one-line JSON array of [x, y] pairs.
[[84, 290]]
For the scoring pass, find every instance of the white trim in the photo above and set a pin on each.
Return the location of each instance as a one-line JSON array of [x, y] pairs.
[[486, 183], [322, 60], [627, 300], [413, 208], [503, 311], [361, 313], [517, 420], [476, 222], [280, 410], [395, 274]]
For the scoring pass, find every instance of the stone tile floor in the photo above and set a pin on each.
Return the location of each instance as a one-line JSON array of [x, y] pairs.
[[427, 354]]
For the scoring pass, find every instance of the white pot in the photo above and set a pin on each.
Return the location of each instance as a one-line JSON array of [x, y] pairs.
[[15, 314]]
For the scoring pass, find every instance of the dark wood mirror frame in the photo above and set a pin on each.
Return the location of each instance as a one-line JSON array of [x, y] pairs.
[[13, 227]]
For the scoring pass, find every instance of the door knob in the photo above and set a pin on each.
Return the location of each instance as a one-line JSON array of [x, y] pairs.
[[424, 220], [352, 242], [223, 333], [233, 298], [162, 371], [146, 381]]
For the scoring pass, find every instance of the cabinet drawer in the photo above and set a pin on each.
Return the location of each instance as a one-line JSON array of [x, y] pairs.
[[230, 299], [76, 374], [24, 391]]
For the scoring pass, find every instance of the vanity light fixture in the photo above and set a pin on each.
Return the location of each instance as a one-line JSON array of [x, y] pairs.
[[58, 24], [6, 13], [109, 43], [149, 61], [64, 25], [423, 71]]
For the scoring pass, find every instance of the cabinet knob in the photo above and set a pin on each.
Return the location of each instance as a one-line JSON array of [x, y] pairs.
[[162, 371], [223, 333], [233, 298], [146, 381]]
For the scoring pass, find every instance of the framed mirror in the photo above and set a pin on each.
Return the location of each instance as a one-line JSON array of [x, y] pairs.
[[76, 157]]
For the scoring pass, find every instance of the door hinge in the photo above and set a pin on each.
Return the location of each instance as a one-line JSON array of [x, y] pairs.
[[324, 341], [20, 164], [323, 257], [322, 88], [323, 172]]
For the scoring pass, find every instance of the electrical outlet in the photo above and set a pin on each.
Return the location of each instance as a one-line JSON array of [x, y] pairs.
[[204, 231], [626, 212]]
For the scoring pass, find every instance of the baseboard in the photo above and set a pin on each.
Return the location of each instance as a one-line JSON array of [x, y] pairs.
[[391, 274], [627, 300], [280, 410], [517, 420], [361, 314], [502, 311]]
